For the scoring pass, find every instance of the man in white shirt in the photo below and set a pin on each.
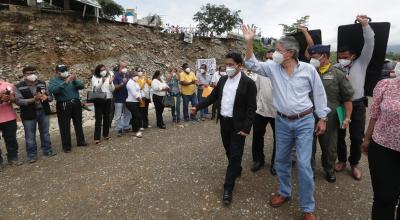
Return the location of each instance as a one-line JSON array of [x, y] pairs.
[[265, 115], [235, 97]]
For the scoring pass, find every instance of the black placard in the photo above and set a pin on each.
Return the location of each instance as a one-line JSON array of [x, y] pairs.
[[352, 36], [315, 35]]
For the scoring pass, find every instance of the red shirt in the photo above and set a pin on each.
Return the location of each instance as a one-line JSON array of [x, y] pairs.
[[7, 112], [386, 110]]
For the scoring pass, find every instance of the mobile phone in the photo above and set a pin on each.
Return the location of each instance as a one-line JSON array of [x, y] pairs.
[[8, 91]]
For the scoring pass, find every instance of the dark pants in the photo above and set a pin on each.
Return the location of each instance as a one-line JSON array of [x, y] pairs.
[[384, 166], [234, 145], [133, 107], [214, 110], [9, 131], [356, 129], [158, 104], [144, 112], [328, 144], [259, 129], [65, 112], [102, 117]]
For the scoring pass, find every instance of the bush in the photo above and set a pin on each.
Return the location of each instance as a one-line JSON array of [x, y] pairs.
[[110, 8]]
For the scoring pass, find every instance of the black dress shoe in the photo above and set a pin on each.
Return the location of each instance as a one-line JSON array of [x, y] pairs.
[[162, 127], [227, 197], [67, 151], [257, 166], [83, 144], [273, 171], [330, 177]]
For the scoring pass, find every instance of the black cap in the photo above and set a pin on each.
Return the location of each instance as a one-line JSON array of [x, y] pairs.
[[61, 68], [320, 49]]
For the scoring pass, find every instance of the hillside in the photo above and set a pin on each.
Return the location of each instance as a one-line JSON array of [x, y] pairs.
[[43, 40], [394, 48]]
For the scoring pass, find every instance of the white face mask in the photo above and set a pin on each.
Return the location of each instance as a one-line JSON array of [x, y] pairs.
[[202, 71], [277, 57], [222, 73], [315, 62], [230, 71], [344, 62], [64, 74], [32, 77], [187, 70], [124, 70], [140, 73], [397, 69], [103, 73]]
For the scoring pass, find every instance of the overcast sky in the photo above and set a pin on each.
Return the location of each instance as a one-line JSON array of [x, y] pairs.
[[326, 15]]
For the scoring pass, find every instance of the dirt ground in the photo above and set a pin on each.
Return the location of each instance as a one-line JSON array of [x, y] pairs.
[[176, 173]]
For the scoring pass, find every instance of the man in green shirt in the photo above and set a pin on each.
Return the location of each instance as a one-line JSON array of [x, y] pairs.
[[339, 92], [65, 88]]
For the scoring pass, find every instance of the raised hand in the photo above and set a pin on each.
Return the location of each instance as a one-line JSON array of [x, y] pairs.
[[302, 28], [363, 19], [248, 33]]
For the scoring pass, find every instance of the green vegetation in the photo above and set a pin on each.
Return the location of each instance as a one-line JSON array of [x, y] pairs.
[[217, 18], [292, 28], [393, 56], [110, 8]]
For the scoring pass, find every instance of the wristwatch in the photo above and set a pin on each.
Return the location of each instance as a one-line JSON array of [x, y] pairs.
[[324, 119], [348, 119]]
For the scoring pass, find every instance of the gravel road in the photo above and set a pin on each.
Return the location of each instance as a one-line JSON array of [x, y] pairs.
[[176, 173]]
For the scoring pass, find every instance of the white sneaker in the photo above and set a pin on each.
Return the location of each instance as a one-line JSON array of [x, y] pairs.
[[142, 129], [139, 135], [149, 126]]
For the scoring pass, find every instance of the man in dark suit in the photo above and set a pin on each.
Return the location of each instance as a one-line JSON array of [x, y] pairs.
[[235, 98]]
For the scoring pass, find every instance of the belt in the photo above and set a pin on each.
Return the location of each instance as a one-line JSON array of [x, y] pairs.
[[298, 116], [223, 118], [360, 99]]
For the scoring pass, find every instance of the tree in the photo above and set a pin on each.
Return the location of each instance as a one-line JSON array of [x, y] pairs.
[[393, 56], [110, 8], [217, 18], [290, 29], [259, 49]]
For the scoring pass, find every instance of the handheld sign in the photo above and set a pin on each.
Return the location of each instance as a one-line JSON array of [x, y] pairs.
[[315, 35]]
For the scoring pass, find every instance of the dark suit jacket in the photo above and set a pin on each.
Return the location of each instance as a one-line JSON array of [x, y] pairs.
[[245, 105]]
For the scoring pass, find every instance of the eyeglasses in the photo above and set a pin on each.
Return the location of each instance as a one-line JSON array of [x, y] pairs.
[[283, 52], [30, 72]]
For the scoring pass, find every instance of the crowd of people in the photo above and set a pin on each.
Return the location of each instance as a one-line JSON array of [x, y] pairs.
[[299, 100], [128, 93], [306, 103]]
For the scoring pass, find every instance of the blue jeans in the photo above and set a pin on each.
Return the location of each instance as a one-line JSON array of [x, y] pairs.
[[200, 98], [193, 100], [301, 133], [43, 121], [176, 109], [122, 116]]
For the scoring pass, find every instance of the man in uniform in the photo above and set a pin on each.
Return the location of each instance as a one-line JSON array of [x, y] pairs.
[[338, 91]]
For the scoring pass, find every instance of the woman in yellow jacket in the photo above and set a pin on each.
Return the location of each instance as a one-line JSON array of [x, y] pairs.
[[145, 84]]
